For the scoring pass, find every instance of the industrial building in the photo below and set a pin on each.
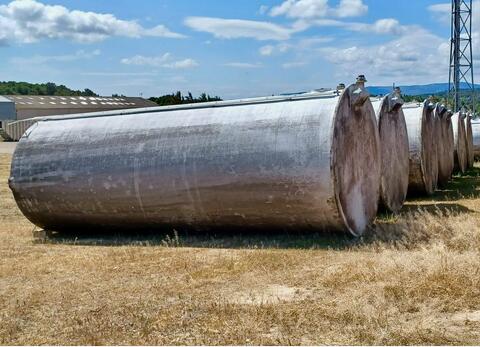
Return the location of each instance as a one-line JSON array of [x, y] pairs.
[[17, 110]]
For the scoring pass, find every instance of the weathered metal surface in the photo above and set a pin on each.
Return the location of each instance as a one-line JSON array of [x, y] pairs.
[[422, 153], [444, 145], [451, 139], [460, 142], [301, 162], [15, 129], [436, 138], [394, 151], [469, 141], [476, 139]]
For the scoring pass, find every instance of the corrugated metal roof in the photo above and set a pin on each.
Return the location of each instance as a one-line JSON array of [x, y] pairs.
[[23, 102], [4, 99]]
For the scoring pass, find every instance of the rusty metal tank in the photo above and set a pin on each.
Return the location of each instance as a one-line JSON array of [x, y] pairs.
[[310, 161], [460, 142], [469, 140], [422, 147], [394, 151]]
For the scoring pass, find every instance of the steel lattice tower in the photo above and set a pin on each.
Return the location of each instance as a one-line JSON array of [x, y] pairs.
[[461, 54]]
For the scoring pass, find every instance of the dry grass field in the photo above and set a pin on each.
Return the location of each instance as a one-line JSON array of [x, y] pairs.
[[415, 279]]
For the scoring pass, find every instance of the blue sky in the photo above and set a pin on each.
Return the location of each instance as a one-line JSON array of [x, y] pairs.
[[225, 47]]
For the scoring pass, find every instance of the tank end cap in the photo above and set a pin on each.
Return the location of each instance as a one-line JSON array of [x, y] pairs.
[[395, 100], [358, 95]]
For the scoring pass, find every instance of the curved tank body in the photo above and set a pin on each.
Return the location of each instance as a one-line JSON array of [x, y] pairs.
[[444, 146], [423, 152], [460, 142], [394, 151], [469, 141], [476, 138], [436, 146], [450, 139], [301, 162]]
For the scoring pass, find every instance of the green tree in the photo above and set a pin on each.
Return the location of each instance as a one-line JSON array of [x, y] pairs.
[[178, 99], [24, 88]]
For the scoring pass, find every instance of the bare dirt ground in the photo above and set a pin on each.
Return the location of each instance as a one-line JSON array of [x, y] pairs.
[[415, 279], [7, 147]]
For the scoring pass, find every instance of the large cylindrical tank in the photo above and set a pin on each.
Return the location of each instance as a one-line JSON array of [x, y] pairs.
[[476, 139], [450, 139], [436, 145], [394, 151], [460, 142], [469, 140], [423, 153], [308, 161], [444, 146]]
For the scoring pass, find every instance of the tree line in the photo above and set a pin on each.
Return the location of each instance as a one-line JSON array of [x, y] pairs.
[[465, 99], [179, 99], [51, 89]]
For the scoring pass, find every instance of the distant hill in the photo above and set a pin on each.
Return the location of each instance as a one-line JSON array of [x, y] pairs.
[[435, 88]]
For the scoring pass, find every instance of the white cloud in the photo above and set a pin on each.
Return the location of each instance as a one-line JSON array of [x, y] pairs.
[[118, 74], [45, 59], [301, 9], [313, 41], [182, 64], [266, 50], [163, 61], [444, 8], [239, 28], [417, 57], [243, 65], [414, 56], [443, 12], [310, 9], [350, 8], [388, 26], [385, 26], [263, 9], [269, 50], [142, 60], [293, 64], [28, 21]]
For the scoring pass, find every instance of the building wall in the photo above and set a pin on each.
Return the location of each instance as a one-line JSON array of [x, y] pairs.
[[30, 113], [7, 109], [29, 106]]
